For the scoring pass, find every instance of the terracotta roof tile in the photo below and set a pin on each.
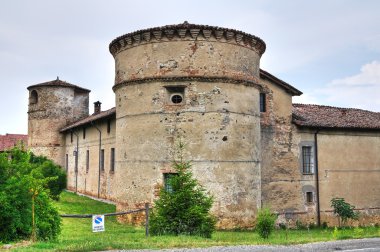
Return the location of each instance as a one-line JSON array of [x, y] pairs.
[[317, 116], [59, 83], [91, 118], [180, 30], [10, 140]]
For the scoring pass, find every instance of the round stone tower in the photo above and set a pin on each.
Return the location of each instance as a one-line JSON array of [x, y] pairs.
[[53, 105], [198, 83]]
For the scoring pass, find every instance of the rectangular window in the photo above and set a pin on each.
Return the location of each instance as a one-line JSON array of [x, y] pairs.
[[262, 102], [71, 136], [307, 162], [167, 184], [309, 197], [84, 133], [108, 126], [102, 160], [87, 161], [112, 158], [67, 162]]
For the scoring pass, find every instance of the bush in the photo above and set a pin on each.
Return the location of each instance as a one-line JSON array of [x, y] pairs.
[[23, 190], [184, 209], [265, 222], [343, 209], [49, 169], [325, 225]]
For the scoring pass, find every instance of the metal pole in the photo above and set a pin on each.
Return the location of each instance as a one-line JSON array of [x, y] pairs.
[[76, 162], [100, 150], [146, 219], [317, 177]]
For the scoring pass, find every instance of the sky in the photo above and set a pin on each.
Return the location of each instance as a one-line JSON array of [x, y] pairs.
[[328, 49]]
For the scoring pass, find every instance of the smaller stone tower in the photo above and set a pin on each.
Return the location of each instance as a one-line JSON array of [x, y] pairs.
[[53, 105]]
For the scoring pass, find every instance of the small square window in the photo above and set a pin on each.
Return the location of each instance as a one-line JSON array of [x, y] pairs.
[[175, 95]]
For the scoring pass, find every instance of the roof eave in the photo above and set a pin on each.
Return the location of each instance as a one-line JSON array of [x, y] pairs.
[[289, 88]]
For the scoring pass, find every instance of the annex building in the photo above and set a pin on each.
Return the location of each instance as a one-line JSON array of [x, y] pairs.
[[250, 146]]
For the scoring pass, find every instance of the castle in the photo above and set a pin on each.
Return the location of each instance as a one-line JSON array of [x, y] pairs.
[[249, 145]]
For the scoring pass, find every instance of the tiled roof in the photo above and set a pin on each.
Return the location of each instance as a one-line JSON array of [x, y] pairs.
[[59, 83], [10, 140], [289, 88], [180, 31], [94, 117], [317, 116]]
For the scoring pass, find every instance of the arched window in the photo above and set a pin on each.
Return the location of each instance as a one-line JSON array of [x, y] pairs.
[[33, 98]]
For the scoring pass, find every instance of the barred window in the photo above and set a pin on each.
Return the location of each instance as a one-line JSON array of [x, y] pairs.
[[307, 161], [167, 183]]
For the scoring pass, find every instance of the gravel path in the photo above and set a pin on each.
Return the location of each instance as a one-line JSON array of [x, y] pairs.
[[359, 245]]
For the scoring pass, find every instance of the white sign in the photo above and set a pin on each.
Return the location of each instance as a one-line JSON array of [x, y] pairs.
[[98, 223]]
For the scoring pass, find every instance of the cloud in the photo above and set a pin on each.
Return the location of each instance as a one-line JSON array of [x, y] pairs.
[[306, 98], [358, 91], [369, 76]]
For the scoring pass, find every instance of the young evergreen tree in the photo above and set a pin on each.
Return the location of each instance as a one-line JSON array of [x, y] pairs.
[[185, 208]]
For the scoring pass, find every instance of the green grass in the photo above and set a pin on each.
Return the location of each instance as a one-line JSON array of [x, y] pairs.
[[77, 234]]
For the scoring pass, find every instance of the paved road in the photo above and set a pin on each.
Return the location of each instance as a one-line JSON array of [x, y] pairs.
[[360, 245]]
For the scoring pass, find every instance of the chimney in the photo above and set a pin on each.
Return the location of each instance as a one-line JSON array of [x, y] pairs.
[[97, 107]]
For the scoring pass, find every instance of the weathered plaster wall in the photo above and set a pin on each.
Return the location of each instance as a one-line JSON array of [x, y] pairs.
[[348, 166], [187, 58], [349, 162], [219, 119], [87, 182], [281, 179], [221, 130]]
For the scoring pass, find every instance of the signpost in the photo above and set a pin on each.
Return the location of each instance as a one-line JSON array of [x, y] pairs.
[[98, 223]]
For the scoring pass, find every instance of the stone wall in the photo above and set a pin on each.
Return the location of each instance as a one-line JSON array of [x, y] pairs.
[[54, 109]]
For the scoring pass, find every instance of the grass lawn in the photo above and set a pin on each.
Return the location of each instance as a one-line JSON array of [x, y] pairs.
[[77, 234]]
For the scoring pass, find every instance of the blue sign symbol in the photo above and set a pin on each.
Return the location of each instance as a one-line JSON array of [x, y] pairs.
[[98, 220]]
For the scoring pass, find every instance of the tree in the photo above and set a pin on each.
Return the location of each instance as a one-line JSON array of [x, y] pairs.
[[25, 206], [265, 222], [185, 208], [344, 210]]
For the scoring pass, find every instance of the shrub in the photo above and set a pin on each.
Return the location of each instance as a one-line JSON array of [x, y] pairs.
[[184, 209], [49, 169], [324, 225], [344, 210], [282, 226], [23, 191], [300, 225], [265, 222]]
